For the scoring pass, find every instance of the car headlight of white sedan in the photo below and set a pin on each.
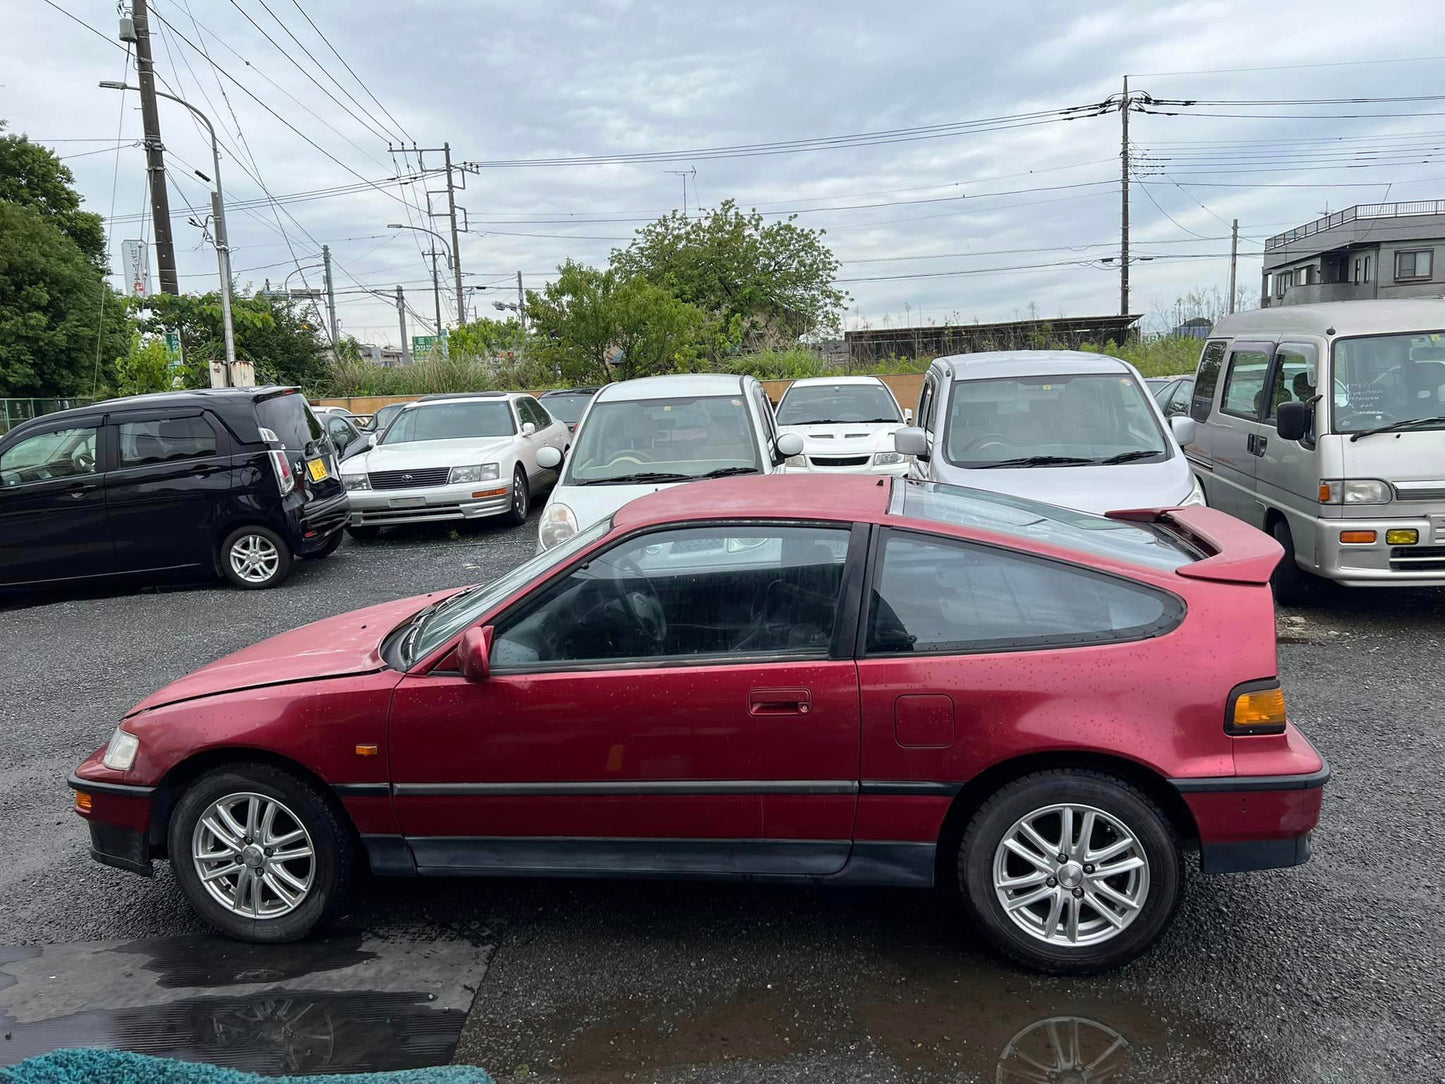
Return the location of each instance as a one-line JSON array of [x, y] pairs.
[[1196, 496], [477, 472], [355, 481], [889, 459], [559, 523]]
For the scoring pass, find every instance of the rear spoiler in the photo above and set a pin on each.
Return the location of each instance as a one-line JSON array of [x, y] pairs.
[[1237, 552]]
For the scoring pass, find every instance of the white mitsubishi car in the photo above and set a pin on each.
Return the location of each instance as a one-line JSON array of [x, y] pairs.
[[846, 424], [451, 457]]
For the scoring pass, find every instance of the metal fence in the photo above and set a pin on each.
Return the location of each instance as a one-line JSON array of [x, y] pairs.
[[1350, 214], [15, 411]]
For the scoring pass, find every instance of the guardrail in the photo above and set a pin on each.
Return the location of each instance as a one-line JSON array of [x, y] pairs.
[[15, 411], [1350, 214]]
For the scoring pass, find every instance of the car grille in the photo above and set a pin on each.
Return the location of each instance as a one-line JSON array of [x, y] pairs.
[[415, 478], [838, 460], [1425, 491], [1417, 558]]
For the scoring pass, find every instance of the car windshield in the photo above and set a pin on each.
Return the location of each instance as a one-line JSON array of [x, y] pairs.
[[567, 408], [465, 608], [1065, 420], [289, 416], [452, 421], [1137, 543], [1389, 380], [818, 404], [664, 440]]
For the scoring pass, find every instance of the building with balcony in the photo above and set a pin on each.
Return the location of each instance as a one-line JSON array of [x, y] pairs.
[[1384, 250]]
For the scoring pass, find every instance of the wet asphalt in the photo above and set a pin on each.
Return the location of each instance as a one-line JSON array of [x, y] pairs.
[[1334, 971]]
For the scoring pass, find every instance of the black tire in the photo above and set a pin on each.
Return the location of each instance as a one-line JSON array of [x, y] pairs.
[[364, 534], [253, 541], [331, 838], [332, 545], [1292, 585], [1119, 800], [521, 497]]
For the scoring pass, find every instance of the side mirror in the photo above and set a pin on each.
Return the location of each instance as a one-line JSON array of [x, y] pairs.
[[528, 428], [789, 444], [1185, 429], [911, 441], [1292, 421], [475, 653], [908, 415], [549, 458]]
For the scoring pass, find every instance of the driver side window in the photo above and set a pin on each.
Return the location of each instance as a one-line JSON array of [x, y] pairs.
[[697, 594], [61, 453]]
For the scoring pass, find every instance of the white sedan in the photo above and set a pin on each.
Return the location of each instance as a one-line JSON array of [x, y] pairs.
[[846, 424], [450, 457]]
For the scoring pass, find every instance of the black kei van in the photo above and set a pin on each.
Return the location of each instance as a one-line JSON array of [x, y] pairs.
[[238, 480]]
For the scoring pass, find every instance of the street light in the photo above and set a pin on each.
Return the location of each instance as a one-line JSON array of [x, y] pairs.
[[436, 290], [218, 209]]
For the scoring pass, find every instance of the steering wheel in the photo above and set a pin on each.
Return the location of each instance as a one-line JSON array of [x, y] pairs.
[[988, 440], [83, 462], [625, 457], [643, 607]]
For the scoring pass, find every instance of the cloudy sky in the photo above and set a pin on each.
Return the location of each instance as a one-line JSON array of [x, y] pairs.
[[982, 203]]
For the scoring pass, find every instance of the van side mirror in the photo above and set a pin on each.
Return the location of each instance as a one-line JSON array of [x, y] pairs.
[[911, 441], [789, 444], [1292, 421], [1184, 428], [549, 458], [475, 653]]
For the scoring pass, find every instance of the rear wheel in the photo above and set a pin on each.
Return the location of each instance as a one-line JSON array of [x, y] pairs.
[[364, 534], [254, 558], [260, 853], [1070, 872], [1292, 585], [521, 497]]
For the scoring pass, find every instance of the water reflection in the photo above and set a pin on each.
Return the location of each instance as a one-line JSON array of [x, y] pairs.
[[1064, 1050]]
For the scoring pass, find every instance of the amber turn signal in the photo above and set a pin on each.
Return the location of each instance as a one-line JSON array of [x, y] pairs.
[[1258, 711], [366, 750], [1324, 493], [489, 492], [1363, 538], [1402, 536], [83, 802]]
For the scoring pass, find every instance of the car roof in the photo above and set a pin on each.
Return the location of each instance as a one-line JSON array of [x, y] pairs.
[[673, 386], [841, 498], [1005, 363], [593, 390], [190, 397], [830, 381], [452, 396], [1337, 318]]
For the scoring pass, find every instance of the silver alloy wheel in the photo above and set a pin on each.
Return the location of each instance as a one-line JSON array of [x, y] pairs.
[[253, 855], [1071, 875], [519, 494], [254, 558], [1064, 1050]]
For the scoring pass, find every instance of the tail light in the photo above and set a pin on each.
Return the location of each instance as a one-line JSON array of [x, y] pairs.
[[1256, 707], [285, 479]]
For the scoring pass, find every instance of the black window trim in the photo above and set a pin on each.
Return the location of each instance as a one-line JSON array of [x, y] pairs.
[[845, 622], [113, 422], [1194, 396], [1175, 608], [1266, 348]]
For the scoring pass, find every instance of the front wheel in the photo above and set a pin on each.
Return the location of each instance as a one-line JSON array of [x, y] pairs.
[[254, 558], [1292, 585], [1070, 872], [260, 854], [521, 497]]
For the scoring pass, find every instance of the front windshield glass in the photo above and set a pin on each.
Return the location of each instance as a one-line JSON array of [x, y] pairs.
[[1066, 420], [818, 404], [648, 440], [464, 609], [566, 408], [1389, 379], [452, 421]]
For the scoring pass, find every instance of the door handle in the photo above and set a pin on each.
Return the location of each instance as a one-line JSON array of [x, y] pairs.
[[1260, 443], [780, 702], [80, 489]]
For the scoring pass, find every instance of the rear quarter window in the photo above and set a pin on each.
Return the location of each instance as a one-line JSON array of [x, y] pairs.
[[290, 418], [1206, 379]]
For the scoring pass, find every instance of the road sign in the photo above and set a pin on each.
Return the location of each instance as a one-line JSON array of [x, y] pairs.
[[422, 345], [137, 268]]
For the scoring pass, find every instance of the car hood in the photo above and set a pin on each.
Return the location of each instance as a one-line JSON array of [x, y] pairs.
[[842, 438], [347, 644], [431, 453], [592, 503], [1097, 489]]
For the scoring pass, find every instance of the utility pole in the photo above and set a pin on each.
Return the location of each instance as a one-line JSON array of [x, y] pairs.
[[451, 212], [330, 300], [155, 151], [521, 304], [1124, 210], [1233, 262], [401, 318], [456, 243], [436, 288]]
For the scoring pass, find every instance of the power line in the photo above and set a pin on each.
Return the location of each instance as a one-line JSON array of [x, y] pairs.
[[352, 73]]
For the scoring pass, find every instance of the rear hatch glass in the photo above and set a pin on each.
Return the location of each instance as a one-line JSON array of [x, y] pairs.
[[289, 416]]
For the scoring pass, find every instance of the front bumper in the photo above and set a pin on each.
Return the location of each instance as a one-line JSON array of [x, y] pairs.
[[820, 465], [466, 500], [119, 821], [1249, 822], [1379, 564]]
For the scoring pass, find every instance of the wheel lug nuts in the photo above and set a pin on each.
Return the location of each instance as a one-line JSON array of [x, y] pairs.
[[1063, 858], [1088, 867], [1052, 882], [1078, 893]]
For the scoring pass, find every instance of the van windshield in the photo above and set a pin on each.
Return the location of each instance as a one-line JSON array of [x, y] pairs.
[[664, 440], [1389, 380], [1074, 419]]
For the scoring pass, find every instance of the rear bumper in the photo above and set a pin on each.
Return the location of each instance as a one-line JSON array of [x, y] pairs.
[[317, 521], [119, 822], [1254, 822]]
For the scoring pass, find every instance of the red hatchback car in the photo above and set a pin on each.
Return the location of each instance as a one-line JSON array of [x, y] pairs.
[[846, 680]]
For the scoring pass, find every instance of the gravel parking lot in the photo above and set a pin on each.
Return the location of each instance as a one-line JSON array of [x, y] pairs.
[[1328, 972]]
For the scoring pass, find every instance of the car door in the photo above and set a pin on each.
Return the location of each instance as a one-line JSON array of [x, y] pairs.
[[685, 701], [923, 468], [345, 436], [53, 522], [1288, 476], [767, 427], [168, 488], [1238, 435], [549, 433]]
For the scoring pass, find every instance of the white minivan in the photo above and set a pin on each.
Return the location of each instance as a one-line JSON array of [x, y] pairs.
[[1325, 426]]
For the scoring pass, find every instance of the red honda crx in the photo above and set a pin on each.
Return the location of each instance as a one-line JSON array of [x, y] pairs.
[[846, 680]]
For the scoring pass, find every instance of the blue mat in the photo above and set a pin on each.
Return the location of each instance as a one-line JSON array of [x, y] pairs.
[[121, 1067]]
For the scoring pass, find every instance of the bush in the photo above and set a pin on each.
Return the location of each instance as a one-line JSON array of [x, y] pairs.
[[1169, 356]]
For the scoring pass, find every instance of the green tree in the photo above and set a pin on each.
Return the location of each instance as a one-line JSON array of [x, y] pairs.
[[484, 337], [764, 282], [145, 368], [280, 338], [31, 176], [655, 332]]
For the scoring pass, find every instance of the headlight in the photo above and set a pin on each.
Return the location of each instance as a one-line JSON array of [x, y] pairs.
[[559, 523], [1196, 496], [355, 481], [120, 753], [1355, 491], [888, 459], [479, 472], [796, 461]]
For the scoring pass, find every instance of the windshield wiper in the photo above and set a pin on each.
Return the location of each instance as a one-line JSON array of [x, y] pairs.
[[415, 628], [641, 478], [1406, 423], [1039, 461], [1129, 457], [723, 472]]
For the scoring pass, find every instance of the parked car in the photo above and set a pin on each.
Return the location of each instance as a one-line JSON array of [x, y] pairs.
[[1060, 426], [567, 404], [345, 430], [451, 457], [830, 679], [1321, 424], [1174, 395], [846, 423], [382, 418], [241, 481], [642, 435]]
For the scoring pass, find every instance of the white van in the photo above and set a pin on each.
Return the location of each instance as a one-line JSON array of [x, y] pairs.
[[1325, 426]]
